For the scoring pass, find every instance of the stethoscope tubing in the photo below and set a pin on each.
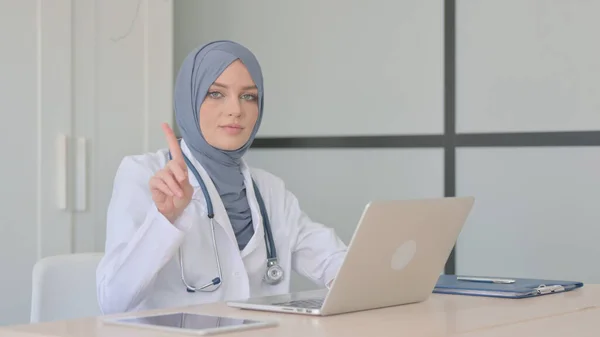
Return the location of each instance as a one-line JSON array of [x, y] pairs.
[[272, 263]]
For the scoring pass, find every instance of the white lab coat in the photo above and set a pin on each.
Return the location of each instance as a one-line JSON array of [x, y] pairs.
[[140, 269]]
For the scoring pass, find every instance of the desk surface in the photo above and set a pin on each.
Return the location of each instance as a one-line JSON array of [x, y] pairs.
[[575, 313], [579, 323]]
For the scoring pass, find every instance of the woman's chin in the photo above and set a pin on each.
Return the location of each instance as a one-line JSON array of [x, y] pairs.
[[231, 144]]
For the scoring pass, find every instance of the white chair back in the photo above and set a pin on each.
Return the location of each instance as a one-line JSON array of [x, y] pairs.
[[64, 287]]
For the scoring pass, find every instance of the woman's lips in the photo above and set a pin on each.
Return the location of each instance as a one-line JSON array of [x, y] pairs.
[[232, 129]]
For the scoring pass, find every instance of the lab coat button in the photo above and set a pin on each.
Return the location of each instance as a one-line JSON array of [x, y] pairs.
[[236, 274]]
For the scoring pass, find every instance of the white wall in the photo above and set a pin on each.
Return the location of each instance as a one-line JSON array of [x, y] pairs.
[[359, 67], [123, 66], [529, 66], [35, 86], [537, 212], [68, 79]]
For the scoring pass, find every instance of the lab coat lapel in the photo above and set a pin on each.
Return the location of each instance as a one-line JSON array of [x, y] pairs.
[[221, 217], [258, 237]]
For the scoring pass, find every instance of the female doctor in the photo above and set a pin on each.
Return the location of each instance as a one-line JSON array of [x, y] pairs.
[[193, 223]]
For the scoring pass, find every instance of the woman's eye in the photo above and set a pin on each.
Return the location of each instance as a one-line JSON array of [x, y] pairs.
[[215, 94], [249, 97]]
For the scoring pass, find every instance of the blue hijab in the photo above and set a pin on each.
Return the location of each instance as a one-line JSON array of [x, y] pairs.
[[197, 73]]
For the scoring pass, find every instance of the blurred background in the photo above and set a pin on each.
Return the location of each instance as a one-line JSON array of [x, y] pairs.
[[365, 100]]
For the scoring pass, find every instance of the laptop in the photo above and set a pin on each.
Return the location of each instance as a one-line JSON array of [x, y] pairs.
[[395, 257]]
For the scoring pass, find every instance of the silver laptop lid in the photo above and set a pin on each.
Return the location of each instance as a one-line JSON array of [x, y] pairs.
[[397, 253]]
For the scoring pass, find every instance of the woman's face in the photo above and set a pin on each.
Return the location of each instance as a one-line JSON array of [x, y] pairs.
[[230, 108]]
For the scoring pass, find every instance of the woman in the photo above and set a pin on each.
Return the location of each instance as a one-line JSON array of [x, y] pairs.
[[161, 248]]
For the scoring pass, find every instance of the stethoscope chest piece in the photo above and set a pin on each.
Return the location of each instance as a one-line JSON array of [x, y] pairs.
[[274, 273]]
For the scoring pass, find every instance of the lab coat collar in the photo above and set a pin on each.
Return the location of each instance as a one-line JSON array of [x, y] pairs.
[[203, 174], [221, 216], [257, 221]]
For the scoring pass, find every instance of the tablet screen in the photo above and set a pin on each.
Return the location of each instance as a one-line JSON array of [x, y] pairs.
[[188, 321]]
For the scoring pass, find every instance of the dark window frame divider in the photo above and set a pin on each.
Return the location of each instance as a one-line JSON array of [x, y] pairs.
[[450, 140]]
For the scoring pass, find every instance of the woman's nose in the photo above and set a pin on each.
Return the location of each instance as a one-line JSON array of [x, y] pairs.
[[234, 108]]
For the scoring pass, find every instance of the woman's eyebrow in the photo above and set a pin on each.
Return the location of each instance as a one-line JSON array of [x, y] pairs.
[[248, 87]]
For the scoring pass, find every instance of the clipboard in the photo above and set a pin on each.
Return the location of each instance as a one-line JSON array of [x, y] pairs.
[[501, 287]]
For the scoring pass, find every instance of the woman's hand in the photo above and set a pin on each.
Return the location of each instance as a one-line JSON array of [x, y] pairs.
[[170, 187]]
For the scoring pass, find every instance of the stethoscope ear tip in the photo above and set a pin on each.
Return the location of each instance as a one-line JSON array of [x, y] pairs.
[[216, 281]]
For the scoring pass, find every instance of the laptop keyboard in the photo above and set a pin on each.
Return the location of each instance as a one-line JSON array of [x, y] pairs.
[[309, 304]]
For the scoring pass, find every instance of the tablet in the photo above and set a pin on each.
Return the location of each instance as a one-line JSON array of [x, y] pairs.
[[191, 323]]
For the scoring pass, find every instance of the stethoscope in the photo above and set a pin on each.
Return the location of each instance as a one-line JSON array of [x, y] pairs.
[[274, 273]]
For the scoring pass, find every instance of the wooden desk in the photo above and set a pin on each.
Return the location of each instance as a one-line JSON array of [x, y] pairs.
[[441, 315], [580, 323]]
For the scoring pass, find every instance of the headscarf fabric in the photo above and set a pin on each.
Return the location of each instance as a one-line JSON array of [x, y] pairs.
[[197, 73]]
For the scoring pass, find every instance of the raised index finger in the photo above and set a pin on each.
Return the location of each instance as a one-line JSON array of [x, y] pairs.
[[173, 143]]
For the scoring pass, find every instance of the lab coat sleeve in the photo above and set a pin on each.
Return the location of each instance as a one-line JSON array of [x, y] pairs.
[[139, 240], [317, 252]]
